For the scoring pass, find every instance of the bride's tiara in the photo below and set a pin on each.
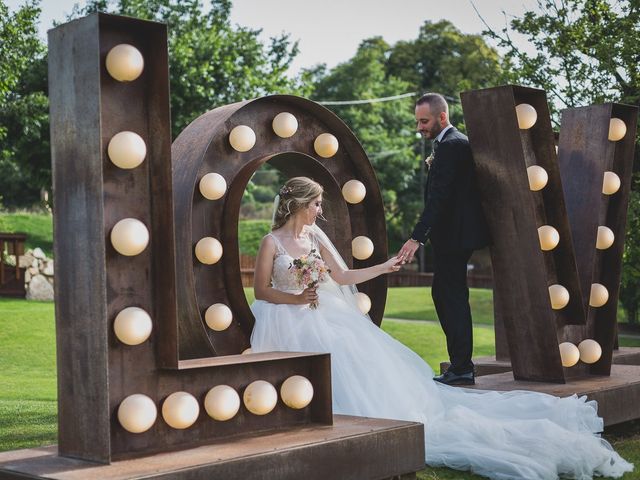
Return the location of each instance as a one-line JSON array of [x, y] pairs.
[[284, 191]]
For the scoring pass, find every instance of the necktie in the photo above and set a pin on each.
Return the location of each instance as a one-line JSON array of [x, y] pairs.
[[435, 145]]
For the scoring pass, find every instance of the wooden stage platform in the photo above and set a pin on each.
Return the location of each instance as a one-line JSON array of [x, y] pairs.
[[489, 365], [618, 395], [353, 448]]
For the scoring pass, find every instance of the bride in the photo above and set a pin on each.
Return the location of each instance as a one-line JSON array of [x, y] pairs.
[[514, 435]]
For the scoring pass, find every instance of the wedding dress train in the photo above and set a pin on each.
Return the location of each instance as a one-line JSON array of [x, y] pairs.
[[515, 435]]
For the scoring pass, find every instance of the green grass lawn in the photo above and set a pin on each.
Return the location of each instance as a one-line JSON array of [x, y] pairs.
[[28, 391], [28, 373], [415, 303]]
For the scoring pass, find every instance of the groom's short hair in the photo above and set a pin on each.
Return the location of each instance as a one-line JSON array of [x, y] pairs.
[[436, 102]]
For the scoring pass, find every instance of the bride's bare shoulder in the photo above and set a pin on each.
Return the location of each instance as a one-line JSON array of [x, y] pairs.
[[268, 243]]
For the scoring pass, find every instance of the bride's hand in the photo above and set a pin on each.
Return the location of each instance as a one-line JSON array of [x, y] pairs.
[[392, 265], [308, 295]]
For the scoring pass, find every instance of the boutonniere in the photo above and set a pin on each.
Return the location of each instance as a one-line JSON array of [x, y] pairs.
[[429, 160]]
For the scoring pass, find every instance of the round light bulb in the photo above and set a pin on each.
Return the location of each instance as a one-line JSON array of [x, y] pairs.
[[124, 62], [549, 237], [218, 317], [208, 250], [242, 138], [296, 392], [325, 145], [284, 125], [222, 403], [590, 351], [617, 129], [354, 191], [364, 302], [610, 183], [129, 237], [180, 410], [132, 325], [127, 150], [538, 177], [362, 247], [569, 354], [137, 413], [527, 116], [559, 296], [260, 397], [213, 186], [605, 238], [599, 295]]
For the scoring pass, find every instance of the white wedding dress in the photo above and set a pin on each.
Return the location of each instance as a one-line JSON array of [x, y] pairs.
[[515, 435]]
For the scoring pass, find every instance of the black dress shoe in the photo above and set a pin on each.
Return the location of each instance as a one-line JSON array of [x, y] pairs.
[[450, 378]]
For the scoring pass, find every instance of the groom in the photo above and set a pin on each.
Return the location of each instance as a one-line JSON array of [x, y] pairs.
[[453, 221]]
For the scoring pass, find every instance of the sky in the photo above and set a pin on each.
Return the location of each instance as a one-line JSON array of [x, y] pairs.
[[329, 31]]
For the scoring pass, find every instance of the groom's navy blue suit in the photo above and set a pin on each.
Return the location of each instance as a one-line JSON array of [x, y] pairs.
[[454, 223]]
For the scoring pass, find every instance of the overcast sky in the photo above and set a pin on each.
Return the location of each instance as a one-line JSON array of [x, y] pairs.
[[329, 31]]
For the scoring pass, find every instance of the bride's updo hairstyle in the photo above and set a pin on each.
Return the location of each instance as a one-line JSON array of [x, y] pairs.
[[297, 193]]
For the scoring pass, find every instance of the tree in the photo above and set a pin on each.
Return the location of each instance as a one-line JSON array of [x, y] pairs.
[[211, 63], [586, 52], [385, 129], [441, 59], [24, 158]]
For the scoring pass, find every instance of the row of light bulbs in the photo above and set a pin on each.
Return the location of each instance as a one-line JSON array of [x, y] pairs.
[[129, 236], [587, 351], [133, 325], [213, 186], [137, 413], [548, 235]]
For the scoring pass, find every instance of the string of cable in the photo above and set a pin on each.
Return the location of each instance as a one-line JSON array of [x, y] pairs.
[[381, 99]]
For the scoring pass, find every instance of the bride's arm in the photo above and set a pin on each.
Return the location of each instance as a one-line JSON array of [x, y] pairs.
[[353, 277], [262, 279]]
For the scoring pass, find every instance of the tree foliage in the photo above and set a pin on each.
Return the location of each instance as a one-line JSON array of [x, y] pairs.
[[441, 59], [212, 63], [385, 129], [586, 52], [24, 158]]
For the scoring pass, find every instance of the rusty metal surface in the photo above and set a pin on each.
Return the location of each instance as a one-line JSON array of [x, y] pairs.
[[96, 371], [585, 153], [522, 271], [203, 147], [80, 239]]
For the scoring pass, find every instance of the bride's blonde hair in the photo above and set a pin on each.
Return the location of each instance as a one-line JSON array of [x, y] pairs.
[[297, 193]]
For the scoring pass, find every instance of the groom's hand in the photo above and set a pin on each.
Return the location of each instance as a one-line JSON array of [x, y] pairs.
[[407, 251]]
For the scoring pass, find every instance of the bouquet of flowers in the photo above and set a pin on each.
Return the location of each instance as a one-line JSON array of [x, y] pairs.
[[309, 271]]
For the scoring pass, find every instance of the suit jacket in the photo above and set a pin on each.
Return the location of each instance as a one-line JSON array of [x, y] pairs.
[[452, 217]]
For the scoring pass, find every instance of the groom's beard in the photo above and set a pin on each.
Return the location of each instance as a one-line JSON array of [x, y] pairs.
[[431, 134]]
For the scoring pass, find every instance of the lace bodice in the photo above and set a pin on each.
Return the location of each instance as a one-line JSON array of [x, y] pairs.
[[282, 277]]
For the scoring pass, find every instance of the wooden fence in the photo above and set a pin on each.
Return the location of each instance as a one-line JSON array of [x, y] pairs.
[[404, 278], [11, 275]]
